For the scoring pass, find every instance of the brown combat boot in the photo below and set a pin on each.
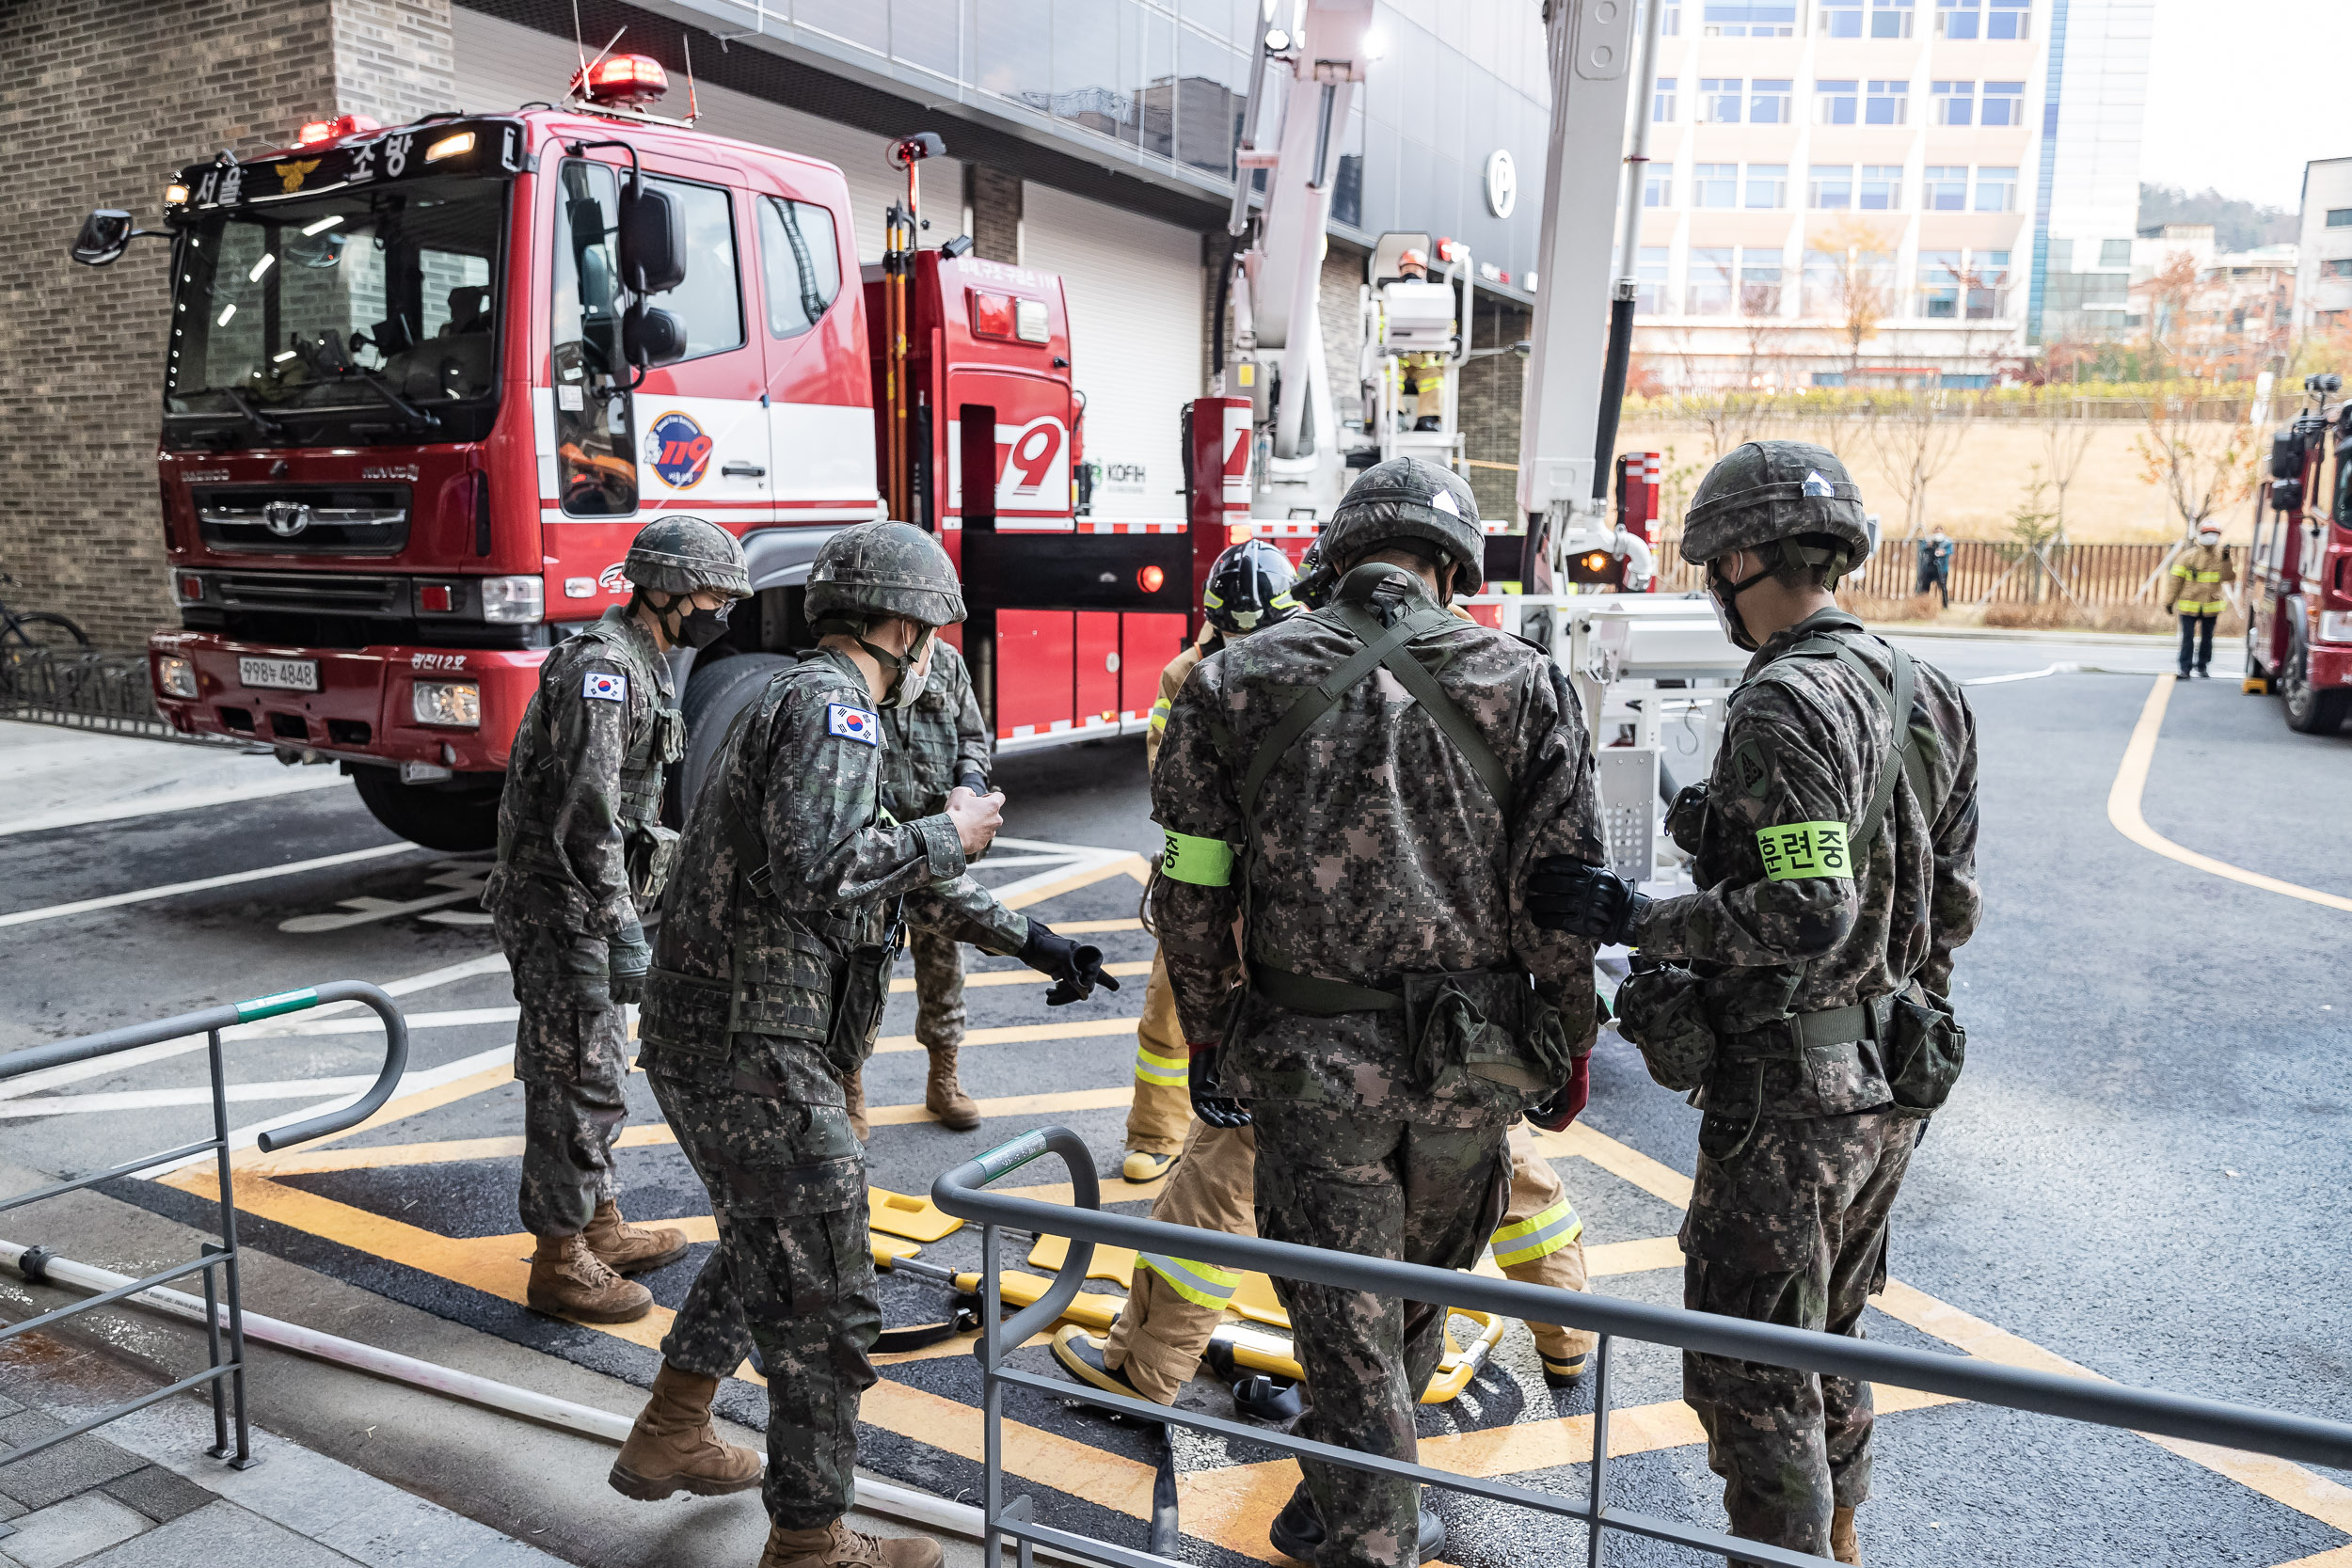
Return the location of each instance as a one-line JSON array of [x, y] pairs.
[[837, 1545], [674, 1447], [627, 1249], [1842, 1545], [567, 1280], [945, 1097], [854, 1094]]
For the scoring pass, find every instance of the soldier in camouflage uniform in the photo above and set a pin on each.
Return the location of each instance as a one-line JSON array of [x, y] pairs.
[[582, 850], [941, 743], [1387, 1032], [766, 990], [1836, 857]]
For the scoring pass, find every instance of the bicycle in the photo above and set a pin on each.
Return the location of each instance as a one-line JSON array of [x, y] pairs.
[[37, 628]]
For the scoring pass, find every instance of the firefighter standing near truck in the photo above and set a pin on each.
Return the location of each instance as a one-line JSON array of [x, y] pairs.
[[1249, 587], [581, 851], [768, 989], [1801, 992], [2192, 590], [1367, 787]]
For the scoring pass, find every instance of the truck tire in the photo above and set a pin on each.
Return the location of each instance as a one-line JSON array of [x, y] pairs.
[[459, 816], [715, 693], [2311, 710]]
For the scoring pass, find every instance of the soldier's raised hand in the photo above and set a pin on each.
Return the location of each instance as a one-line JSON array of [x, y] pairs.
[[976, 818]]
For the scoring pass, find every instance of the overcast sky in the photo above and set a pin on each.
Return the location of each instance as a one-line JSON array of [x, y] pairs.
[[2241, 92]]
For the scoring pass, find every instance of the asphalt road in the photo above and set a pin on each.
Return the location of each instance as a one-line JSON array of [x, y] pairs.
[[2140, 1173]]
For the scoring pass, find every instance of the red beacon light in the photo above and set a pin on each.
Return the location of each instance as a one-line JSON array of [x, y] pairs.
[[623, 79], [318, 131]]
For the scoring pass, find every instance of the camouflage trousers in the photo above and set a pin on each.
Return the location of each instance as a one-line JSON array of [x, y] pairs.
[[1794, 1231], [793, 1272], [1383, 1189], [571, 1054], [938, 988]]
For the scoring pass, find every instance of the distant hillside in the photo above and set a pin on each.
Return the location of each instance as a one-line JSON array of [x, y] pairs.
[[2236, 225]]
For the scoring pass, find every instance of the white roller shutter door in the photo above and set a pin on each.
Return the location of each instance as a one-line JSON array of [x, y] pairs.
[[502, 64], [1132, 284]]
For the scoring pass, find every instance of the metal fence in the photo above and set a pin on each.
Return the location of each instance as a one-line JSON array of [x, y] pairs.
[[962, 1192], [218, 1260], [1982, 571], [83, 688]]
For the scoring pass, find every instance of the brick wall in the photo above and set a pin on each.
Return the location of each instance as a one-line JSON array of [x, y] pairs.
[[994, 198], [106, 103], [1489, 404]]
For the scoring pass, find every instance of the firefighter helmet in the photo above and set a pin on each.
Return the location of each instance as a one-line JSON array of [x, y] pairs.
[[1249, 587], [686, 555], [883, 569]]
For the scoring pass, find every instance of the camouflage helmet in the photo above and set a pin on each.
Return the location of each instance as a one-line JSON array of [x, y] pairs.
[[883, 569], [686, 555], [1408, 498], [1768, 490]]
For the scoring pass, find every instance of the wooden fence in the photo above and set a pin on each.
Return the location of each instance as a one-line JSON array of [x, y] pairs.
[[1984, 570]]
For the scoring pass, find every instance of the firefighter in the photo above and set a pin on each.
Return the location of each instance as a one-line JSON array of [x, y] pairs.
[[1249, 587], [1412, 265], [581, 850], [2192, 590]]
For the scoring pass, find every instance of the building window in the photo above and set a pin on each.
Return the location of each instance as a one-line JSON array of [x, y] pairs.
[[1719, 99], [1756, 19], [2339, 267], [2009, 18], [1835, 103], [1658, 187], [1653, 293], [2115, 253], [2340, 217], [1830, 188], [1944, 188], [1882, 188], [1768, 186], [1890, 18], [1760, 283], [1956, 18], [1671, 24], [1768, 98], [1715, 184], [1661, 106], [1842, 19], [1710, 281], [2004, 103], [1939, 283], [1988, 285], [1842, 285], [1888, 103], [1955, 103], [1997, 190]]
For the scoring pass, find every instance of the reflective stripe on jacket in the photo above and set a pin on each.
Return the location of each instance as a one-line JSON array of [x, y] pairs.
[[2193, 587]]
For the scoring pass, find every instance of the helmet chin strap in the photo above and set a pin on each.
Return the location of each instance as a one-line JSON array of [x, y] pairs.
[[1726, 593], [906, 683]]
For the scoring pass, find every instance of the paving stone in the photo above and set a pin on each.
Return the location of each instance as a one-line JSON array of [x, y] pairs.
[[159, 1493], [220, 1533], [64, 1532], [61, 1472]]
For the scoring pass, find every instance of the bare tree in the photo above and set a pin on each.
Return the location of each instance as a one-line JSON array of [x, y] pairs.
[[2201, 465], [1859, 294], [1917, 434], [2065, 441]]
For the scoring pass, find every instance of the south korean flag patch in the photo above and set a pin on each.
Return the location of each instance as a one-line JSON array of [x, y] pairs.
[[605, 687], [852, 723]]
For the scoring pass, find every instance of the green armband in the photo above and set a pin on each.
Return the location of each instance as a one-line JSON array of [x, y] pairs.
[[1801, 849], [1202, 862]]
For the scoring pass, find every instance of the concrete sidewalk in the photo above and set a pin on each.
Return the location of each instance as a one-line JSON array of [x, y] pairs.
[[52, 777]]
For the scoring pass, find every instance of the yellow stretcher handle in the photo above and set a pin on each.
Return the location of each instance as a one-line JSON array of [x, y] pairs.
[[1267, 1353]]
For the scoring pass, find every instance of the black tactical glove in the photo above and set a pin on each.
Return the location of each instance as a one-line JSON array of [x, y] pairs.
[[1076, 969], [1565, 894], [972, 779], [631, 954], [1208, 1101]]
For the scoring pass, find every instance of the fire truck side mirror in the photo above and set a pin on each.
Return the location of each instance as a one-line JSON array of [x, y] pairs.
[[652, 336], [653, 242], [105, 235]]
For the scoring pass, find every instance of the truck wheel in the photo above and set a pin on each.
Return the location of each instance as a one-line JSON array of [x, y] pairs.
[[459, 816], [715, 693], [2311, 710]]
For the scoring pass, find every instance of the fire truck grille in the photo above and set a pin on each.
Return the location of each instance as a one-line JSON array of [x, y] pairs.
[[338, 519], [332, 592]]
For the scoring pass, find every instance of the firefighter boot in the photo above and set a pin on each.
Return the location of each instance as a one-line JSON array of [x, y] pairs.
[[627, 1249], [853, 1095], [674, 1447], [567, 1280], [945, 1097], [836, 1546], [1145, 1164], [1842, 1545]]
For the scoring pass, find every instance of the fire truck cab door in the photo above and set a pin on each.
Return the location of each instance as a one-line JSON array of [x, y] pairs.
[[821, 414]]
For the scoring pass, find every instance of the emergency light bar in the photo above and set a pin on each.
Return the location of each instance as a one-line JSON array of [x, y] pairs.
[[626, 79], [318, 131]]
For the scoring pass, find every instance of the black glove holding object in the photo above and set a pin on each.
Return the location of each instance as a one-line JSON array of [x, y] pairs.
[[630, 956], [1075, 969], [1565, 894], [1208, 1101], [972, 779]]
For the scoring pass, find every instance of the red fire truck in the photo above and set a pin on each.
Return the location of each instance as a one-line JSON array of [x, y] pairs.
[[426, 383], [2298, 607]]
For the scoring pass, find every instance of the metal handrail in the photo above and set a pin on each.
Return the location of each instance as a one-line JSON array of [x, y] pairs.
[[224, 1254], [961, 1191]]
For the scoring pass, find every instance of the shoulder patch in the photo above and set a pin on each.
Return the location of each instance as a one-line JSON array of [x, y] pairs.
[[852, 723], [610, 688], [1752, 768]]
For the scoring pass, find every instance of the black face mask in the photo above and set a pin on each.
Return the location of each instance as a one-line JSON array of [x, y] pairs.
[[1725, 597], [699, 628]]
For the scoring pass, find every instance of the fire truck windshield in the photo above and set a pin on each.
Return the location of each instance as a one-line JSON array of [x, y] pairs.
[[368, 314]]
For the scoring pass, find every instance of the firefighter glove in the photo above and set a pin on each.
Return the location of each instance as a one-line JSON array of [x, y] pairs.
[[1564, 1104], [631, 954], [1075, 968], [1565, 894]]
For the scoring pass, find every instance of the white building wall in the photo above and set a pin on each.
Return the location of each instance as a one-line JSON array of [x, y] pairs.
[[2323, 284]]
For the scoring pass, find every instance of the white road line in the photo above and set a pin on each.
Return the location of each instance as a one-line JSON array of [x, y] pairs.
[[431, 1078], [171, 889], [118, 811], [199, 1094]]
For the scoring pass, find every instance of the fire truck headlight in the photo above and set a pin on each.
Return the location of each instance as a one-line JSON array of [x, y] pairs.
[[454, 703], [2335, 625], [175, 677], [512, 599]]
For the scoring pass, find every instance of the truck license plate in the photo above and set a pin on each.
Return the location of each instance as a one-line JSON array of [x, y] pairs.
[[280, 674]]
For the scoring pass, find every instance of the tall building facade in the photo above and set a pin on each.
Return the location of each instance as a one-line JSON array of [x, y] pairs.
[[2323, 288], [1886, 191]]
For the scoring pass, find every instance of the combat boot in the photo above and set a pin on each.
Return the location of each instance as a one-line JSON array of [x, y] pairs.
[[1298, 1530], [945, 1097], [1842, 1545], [567, 1280], [674, 1447], [853, 1095], [627, 1249], [836, 1546]]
